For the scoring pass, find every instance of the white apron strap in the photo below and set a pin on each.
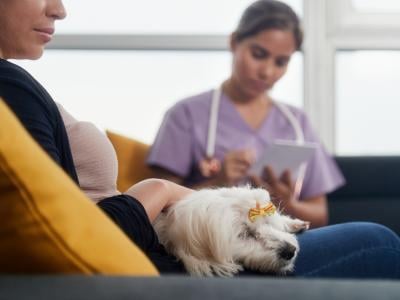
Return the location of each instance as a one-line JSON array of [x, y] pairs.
[[213, 123], [299, 140]]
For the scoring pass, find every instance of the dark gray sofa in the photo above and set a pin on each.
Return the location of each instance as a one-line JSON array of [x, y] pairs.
[[176, 288], [372, 192]]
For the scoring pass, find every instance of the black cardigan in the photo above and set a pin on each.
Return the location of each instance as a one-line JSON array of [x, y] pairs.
[[38, 112]]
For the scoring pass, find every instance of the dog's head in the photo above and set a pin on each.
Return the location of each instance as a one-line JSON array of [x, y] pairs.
[[261, 226]]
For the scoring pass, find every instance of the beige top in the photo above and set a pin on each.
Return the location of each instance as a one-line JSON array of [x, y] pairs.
[[94, 158]]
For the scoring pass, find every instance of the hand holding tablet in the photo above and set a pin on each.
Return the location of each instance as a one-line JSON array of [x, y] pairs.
[[283, 155]]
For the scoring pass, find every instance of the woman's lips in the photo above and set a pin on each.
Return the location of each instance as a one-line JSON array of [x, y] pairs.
[[260, 85], [45, 34]]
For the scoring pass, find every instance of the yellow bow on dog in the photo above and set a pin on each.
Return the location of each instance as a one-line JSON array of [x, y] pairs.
[[258, 211]]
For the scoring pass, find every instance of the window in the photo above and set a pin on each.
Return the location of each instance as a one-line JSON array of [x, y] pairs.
[[368, 102], [351, 55], [129, 91], [374, 6], [155, 17]]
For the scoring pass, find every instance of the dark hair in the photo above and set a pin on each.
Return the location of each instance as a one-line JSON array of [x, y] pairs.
[[269, 14]]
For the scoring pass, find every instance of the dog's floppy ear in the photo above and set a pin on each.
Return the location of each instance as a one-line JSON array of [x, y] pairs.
[[218, 234]]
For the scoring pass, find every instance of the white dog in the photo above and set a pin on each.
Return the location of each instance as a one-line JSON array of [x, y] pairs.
[[220, 231]]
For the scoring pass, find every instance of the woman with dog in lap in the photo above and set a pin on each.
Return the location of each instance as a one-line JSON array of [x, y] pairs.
[[361, 250], [248, 120]]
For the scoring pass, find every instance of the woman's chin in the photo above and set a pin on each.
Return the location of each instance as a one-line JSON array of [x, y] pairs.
[[36, 54], [32, 54], [36, 57], [255, 93]]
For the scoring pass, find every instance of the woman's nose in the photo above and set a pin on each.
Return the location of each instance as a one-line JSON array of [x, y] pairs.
[[267, 69], [56, 9]]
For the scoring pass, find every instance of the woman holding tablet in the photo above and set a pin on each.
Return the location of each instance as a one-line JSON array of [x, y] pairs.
[[214, 138]]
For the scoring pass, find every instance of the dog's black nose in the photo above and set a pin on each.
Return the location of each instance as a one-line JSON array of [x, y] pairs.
[[287, 251]]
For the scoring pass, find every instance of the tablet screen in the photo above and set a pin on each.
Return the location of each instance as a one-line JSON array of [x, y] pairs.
[[283, 155]]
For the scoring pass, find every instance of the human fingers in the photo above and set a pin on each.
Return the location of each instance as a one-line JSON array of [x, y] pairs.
[[235, 160], [286, 178], [227, 174], [269, 176], [215, 166], [249, 155], [209, 167], [237, 168], [246, 157], [257, 181]]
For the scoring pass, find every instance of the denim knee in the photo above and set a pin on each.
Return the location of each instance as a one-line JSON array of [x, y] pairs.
[[377, 235], [356, 250]]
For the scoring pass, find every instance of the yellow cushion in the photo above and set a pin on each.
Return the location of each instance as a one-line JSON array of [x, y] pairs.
[[131, 155], [47, 223]]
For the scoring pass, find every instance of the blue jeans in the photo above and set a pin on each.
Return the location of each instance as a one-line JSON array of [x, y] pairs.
[[350, 250]]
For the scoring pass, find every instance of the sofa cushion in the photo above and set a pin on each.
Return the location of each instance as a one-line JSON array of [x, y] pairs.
[[369, 176], [371, 193], [132, 156], [47, 224]]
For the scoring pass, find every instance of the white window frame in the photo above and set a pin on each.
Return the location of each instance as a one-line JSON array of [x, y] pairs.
[[342, 28], [140, 42], [333, 25]]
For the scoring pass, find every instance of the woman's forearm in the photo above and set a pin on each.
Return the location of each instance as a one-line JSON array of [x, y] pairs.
[[157, 194], [314, 210]]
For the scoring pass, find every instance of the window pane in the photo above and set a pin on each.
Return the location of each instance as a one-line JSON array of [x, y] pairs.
[[155, 17], [374, 6], [368, 102], [129, 91]]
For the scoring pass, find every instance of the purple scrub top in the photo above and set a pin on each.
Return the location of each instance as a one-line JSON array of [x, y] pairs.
[[182, 140]]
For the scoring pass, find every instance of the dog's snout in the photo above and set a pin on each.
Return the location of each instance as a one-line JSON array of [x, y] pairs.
[[287, 251]]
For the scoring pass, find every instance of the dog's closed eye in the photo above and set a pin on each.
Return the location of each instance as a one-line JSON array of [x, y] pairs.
[[248, 233]]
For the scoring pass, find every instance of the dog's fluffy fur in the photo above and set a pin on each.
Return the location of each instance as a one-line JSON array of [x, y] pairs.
[[210, 232]]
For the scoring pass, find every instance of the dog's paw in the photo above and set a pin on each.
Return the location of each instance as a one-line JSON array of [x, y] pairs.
[[199, 268], [203, 268], [297, 226], [226, 270]]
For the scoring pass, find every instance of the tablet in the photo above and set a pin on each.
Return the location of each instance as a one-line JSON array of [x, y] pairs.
[[284, 155]]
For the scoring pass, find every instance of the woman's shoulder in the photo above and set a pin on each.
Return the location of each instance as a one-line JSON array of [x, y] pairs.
[[21, 91], [195, 102], [10, 72], [15, 76], [192, 109]]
